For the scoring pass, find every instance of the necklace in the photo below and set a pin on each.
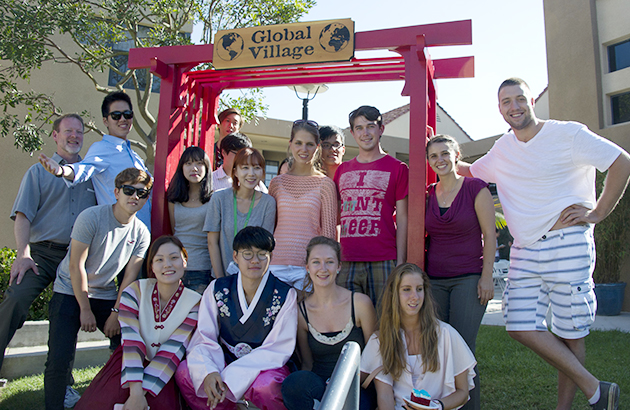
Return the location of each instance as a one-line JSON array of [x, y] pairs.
[[447, 195]]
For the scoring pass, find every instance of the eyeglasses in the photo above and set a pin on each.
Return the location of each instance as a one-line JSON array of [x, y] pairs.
[[328, 145], [130, 190], [128, 114], [309, 122], [249, 255]]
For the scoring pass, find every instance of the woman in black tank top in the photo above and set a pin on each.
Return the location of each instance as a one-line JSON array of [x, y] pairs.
[[330, 316]]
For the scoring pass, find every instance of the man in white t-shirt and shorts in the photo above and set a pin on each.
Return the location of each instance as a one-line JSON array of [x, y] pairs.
[[545, 176]]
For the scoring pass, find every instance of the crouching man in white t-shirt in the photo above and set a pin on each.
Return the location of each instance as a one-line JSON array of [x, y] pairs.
[[545, 176]]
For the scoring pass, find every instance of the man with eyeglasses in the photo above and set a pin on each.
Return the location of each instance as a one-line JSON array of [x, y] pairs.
[[230, 146], [245, 334], [105, 240], [44, 213], [333, 147], [372, 188], [106, 158]]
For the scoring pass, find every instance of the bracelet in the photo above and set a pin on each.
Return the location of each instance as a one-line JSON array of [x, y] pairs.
[[116, 311]]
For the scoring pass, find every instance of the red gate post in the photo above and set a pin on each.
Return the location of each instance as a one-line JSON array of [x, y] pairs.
[[418, 73]]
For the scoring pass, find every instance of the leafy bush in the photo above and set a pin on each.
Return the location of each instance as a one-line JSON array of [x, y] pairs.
[[612, 239], [39, 308]]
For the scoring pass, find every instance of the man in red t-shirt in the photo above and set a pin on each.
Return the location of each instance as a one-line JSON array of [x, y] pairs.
[[372, 187]]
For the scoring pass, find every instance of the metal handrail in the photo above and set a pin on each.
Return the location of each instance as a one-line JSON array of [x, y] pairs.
[[342, 392]]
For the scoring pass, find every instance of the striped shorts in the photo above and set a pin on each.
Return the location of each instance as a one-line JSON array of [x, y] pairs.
[[555, 272]]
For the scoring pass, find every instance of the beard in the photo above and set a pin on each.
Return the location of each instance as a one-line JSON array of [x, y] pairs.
[[522, 123]]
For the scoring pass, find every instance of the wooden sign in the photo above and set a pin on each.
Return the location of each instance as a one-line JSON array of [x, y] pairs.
[[282, 44]]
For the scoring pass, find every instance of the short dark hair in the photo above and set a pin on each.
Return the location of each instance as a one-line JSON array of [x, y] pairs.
[[113, 97], [178, 188], [246, 156], [229, 111], [57, 122], [235, 142], [156, 245], [513, 81], [254, 237], [369, 112], [133, 176], [330, 131]]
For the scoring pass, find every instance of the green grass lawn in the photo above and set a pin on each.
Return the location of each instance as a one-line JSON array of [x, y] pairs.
[[512, 377]]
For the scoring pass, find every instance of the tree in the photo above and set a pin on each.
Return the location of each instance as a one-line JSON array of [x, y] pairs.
[[102, 32]]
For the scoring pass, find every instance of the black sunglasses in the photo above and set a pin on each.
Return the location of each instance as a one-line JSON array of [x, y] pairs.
[[130, 190], [128, 114], [309, 122]]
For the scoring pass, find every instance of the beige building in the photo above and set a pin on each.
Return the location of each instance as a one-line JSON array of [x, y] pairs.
[[588, 60]]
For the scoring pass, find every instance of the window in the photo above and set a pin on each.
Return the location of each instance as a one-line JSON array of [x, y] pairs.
[[271, 170], [121, 61], [620, 108], [619, 56]]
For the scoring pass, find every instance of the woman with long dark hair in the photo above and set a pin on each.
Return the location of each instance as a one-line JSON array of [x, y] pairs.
[[188, 198]]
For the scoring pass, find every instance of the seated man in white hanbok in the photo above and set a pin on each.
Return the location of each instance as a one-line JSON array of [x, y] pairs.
[[246, 333]]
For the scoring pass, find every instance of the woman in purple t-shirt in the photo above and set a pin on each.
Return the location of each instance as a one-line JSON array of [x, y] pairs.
[[459, 210]]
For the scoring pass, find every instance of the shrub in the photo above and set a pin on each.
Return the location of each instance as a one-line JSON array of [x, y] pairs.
[[612, 239], [39, 308]]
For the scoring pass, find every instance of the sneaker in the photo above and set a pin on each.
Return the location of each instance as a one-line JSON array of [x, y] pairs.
[[72, 397], [609, 397]]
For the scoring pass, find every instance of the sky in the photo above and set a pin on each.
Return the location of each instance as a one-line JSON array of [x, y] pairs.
[[508, 41]]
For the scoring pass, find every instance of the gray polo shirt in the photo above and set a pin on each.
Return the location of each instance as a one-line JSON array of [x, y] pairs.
[[50, 205], [111, 245]]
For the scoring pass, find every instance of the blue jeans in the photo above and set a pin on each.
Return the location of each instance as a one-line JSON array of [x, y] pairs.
[[197, 280], [302, 388], [65, 322], [457, 304]]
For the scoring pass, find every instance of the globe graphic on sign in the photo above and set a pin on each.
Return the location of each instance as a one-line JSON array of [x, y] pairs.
[[230, 46], [334, 37]]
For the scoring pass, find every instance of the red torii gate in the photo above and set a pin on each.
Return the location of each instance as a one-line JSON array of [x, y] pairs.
[[189, 99]]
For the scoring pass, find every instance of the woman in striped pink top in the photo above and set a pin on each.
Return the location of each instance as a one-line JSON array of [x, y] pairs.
[[157, 318], [306, 201]]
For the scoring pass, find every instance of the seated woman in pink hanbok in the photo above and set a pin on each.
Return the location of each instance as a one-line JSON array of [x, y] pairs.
[[157, 319], [246, 334]]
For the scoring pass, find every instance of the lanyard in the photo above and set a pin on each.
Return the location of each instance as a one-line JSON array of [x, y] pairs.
[[249, 213]]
